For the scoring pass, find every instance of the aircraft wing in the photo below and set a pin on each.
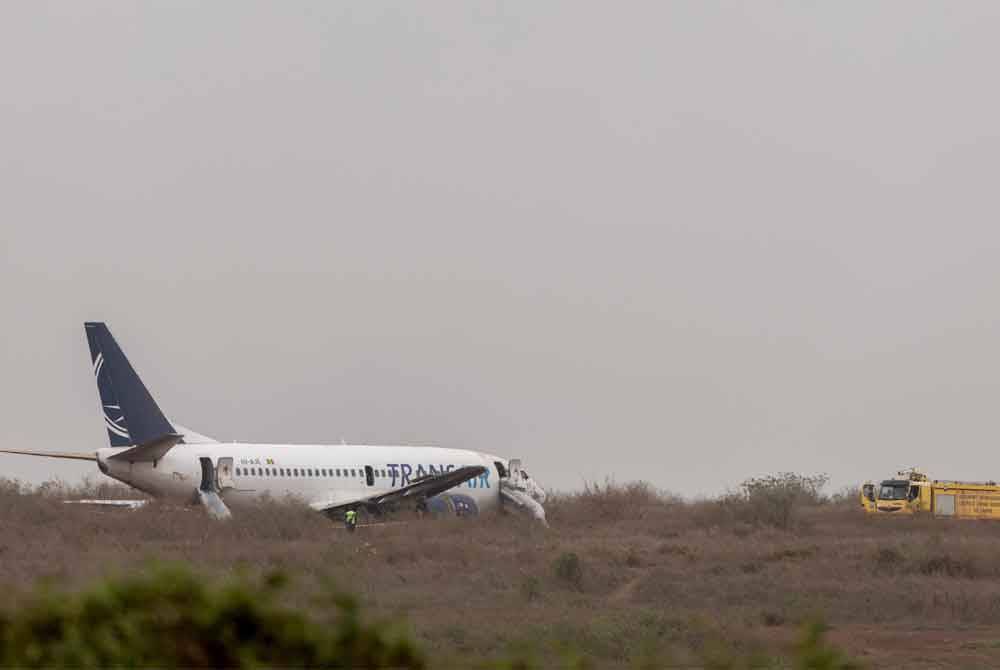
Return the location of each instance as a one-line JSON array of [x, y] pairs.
[[131, 504], [74, 455], [418, 489]]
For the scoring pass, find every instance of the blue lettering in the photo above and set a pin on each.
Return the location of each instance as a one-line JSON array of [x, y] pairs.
[[420, 470], [405, 470], [433, 470], [393, 472]]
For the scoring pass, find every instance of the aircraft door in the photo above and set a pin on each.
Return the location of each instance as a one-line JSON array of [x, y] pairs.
[[369, 475], [224, 473]]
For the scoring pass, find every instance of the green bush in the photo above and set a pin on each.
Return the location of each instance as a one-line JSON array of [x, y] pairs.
[[946, 565], [888, 560], [568, 568], [812, 653], [774, 500], [171, 618], [531, 588]]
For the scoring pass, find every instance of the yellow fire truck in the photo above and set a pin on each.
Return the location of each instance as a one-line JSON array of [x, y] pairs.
[[913, 493]]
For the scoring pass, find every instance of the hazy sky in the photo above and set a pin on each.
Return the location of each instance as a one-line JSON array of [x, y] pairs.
[[682, 242]]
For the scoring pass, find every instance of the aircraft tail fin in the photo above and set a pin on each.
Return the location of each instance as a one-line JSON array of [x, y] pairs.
[[131, 416]]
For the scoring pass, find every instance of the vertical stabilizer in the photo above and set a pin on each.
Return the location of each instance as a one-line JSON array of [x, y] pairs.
[[131, 416]]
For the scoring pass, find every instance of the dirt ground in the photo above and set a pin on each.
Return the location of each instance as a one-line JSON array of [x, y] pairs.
[[623, 577]]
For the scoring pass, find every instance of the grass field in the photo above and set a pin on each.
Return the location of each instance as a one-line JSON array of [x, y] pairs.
[[624, 577]]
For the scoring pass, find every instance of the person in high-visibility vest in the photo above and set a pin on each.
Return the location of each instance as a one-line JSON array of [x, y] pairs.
[[351, 519]]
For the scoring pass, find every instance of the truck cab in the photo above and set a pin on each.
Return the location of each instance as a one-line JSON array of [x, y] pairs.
[[907, 494]]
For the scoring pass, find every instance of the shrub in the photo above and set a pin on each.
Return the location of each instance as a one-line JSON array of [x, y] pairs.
[[888, 559], [172, 618], [531, 588], [774, 499], [812, 653], [632, 558], [770, 618], [947, 565], [568, 569], [680, 550]]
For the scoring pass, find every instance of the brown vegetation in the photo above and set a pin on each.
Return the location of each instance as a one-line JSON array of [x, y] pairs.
[[624, 575]]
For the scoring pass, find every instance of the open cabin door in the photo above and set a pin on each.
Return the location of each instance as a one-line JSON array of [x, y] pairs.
[[224, 473]]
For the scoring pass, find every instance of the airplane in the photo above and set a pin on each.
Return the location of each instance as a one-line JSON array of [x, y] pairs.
[[165, 460]]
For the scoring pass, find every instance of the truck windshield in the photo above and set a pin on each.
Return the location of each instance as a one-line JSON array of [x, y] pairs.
[[893, 490]]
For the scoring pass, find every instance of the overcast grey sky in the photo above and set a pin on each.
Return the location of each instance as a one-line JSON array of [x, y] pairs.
[[682, 242]]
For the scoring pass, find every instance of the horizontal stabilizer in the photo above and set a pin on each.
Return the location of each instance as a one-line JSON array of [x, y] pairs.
[[78, 456], [151, 451]]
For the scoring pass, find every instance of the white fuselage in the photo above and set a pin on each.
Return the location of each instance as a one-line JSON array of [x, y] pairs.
[[319, 475]]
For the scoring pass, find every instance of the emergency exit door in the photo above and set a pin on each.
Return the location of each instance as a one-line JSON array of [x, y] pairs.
[[224, 473], [369, 475]]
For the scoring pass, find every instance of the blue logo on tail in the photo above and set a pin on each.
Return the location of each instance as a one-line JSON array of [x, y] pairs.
[[115, 425]]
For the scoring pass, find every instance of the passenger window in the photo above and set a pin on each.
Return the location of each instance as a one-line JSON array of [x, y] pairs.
[[338, 472], [310, 472], [383, 474], [352, 473], [295, 472], [237, 472]]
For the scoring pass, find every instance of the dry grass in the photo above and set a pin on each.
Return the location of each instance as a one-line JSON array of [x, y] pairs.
[[624, 573]]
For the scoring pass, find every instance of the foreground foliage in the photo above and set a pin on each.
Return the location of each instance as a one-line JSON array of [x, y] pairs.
[[172, 618]]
